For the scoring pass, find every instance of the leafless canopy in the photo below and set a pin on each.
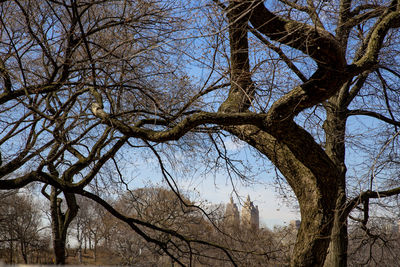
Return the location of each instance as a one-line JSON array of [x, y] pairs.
[[82, 81]]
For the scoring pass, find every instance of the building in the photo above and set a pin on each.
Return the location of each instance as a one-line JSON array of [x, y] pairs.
[[232, 217], [249, 218], [250, 215]]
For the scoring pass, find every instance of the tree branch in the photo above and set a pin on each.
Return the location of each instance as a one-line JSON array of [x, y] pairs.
[[364, 196], [186, 125], [319, 44], [373, 115], [390, 19], [279, 51], [242, 88]]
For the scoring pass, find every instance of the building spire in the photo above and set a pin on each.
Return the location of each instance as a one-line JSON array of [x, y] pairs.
[[250, 214], [232, 217], [249, 217]]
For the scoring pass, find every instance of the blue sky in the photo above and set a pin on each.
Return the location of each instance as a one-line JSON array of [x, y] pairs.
[[217, 188], [273, 210]]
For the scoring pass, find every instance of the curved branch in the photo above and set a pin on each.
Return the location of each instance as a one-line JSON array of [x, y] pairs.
[[396, 73], [22, 181], [95, 169], [31, 90], [132, 222], [356, 11], [182, 127], [391, 19], [385, 88], [313, 41], [373, 115], [356, 88], [357, 19], [296, 6]]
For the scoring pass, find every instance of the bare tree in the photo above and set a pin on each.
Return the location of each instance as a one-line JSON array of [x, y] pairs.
[[162, 208], [20, 225], [91, 228], [48, 74], [286, 77]]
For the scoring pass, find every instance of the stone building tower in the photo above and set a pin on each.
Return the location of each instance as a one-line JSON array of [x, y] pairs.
[[232, 218], [250, 215]]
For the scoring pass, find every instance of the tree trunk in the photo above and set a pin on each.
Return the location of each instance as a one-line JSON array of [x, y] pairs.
[[79, 239], [11, 248], [310, 172], [317, 198], [313, 238], [59, 251], [95, 251], [85, 245], [56, 227], [337, 251], [60, 222], [24, 251], [335, 128]]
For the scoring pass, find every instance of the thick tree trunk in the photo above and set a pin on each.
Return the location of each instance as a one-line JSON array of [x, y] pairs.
[[59, 251], [316, 199], [337, 251], [335, 128], [312, 175], [313, 237]]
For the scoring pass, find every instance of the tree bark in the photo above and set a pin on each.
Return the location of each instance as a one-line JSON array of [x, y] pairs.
[[23, 251], [335, 128], [58, 244], [337, 251], [307, 168], [60, 222], [316, 201], [56, 227], [242, 88]]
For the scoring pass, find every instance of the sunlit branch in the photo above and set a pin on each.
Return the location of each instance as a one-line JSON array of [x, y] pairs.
[[186, 125]]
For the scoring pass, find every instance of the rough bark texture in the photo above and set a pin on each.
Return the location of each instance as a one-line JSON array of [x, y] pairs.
[[242, 89], [337, 251], [305, 165], [335, 128], [317, 211]]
